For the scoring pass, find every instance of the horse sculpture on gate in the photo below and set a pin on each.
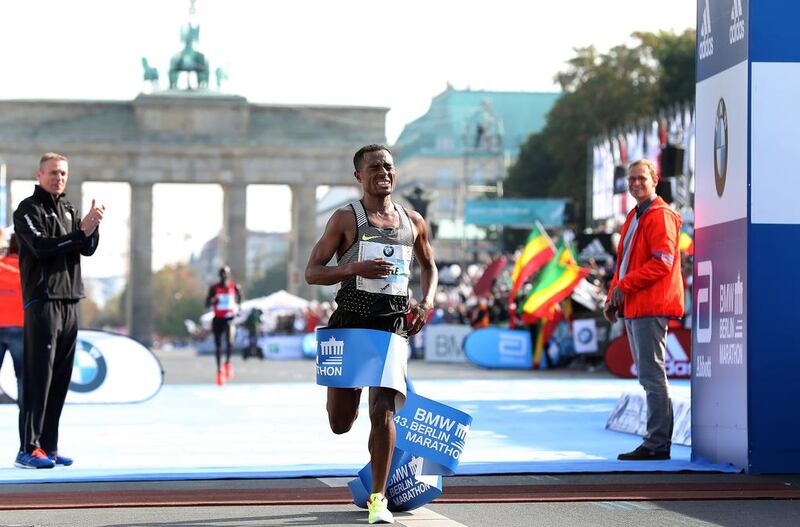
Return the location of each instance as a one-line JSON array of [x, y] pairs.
[[150, 73], [189, 60]]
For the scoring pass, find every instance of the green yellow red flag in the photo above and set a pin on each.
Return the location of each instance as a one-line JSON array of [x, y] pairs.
[[538, 251], [556, 282]]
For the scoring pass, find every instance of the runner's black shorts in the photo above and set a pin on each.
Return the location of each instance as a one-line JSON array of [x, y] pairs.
[[347, 319], [221, 327]]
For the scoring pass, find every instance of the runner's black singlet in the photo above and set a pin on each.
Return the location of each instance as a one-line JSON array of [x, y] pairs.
[[381, 296]]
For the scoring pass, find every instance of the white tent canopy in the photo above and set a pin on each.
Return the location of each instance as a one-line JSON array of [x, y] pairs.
[[277, 301]]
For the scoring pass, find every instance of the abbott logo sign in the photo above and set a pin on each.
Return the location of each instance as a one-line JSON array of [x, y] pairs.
[[704, 269]]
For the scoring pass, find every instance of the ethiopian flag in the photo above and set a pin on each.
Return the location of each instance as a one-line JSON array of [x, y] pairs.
[[538, 251], [556, 282]]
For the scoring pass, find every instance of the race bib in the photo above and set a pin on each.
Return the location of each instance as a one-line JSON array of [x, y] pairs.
[[225, 301], [398, 255]]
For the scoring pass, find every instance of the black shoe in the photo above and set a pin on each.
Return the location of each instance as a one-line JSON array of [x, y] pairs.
[[642, 453]]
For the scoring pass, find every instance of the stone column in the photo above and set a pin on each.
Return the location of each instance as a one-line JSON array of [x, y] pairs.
[[233, 247], [140, 296], [74, 192], [303, 238]]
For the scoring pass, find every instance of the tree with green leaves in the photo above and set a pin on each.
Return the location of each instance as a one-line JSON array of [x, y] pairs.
[[178, 295], [601, 92]]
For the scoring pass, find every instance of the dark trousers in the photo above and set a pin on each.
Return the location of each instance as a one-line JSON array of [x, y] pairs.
[[50, 334], [648, 339]]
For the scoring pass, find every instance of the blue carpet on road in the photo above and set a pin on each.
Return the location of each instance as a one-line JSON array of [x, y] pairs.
[[281, 430]]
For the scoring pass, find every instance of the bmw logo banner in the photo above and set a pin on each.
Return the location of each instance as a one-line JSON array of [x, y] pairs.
[[108, 368], [431, 436]]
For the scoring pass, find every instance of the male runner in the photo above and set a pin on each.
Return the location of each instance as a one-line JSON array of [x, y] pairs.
[[225, 297], [373, 240]]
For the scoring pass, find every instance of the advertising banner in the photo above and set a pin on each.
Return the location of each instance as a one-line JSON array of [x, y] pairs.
[[445, 342], [515, 212], [771, 290], [108, 368], [719, 347], [499, 348], [678, 360], [281, 347], [584, 335]]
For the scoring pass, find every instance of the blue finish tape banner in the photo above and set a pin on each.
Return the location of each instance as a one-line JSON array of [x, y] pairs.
[[408, 487], [499, 348], [353, 358], [432, 430], [431, 436]]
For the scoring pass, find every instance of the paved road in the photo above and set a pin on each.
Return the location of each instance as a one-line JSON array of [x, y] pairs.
[[184, 366]]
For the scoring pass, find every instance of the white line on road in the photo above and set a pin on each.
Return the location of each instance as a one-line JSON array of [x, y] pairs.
[[423, 517]]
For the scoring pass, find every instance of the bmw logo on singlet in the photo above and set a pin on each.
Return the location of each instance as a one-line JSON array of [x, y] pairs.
[[89, 368]]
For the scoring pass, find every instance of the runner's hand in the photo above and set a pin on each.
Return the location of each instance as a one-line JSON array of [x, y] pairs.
[[610, 312], [419, 313], [377, 268]]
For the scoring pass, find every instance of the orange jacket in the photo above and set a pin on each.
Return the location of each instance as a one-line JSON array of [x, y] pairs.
[[652, 285], [11, 312]]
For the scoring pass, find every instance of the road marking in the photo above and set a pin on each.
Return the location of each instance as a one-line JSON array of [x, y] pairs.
[[423, 517], [335, 482], [624, 505]]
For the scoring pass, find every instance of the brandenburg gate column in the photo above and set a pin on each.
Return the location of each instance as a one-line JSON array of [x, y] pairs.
[[303, 237], [234, 230], [140, 296]]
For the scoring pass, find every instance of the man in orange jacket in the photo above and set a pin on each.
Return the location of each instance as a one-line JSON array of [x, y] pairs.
[[646, 291]]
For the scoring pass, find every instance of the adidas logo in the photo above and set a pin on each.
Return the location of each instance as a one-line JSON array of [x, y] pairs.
[[706, 48], [677, 361], [736, 31]]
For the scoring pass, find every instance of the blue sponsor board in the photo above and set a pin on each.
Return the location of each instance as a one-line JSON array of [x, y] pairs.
[[722, 35], [499, 348], [515, 212], [719, 348], [745, 358]]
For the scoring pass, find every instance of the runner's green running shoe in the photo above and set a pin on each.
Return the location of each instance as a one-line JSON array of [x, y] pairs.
[[378, 511]]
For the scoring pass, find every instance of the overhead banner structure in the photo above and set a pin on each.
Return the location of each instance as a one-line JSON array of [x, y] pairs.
[[516, 212], [746, 218]]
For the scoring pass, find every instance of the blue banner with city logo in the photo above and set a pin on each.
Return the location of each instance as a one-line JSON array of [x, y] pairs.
[[372, 358], [431, 436]]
